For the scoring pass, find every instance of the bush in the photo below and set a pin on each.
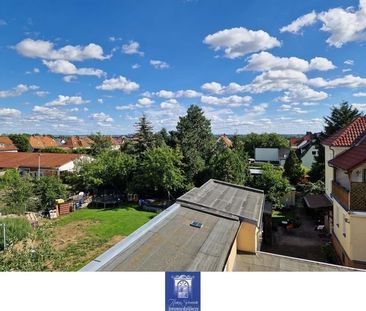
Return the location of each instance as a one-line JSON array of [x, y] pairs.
[[17, 229]]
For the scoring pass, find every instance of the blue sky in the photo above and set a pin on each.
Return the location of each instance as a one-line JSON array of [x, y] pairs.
[[76, 67]]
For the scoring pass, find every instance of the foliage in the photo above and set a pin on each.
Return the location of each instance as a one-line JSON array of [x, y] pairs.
[[17, 228], [266, 140], [196, 141], [293, 169], [21, 142], [48, 189], [340, 117], [54, 150], [317, 171], [18, 192], [314, 188], [100, 144], [274, 185], [160, 171], [144, 135], [227, 165], [109, 170]]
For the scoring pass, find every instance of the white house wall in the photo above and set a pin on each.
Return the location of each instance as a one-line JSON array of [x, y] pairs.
[[266, 154], [308, 158]]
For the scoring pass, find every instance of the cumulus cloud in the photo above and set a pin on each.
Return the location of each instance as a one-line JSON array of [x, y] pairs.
[[264, 61], [169, 104], [132, 48], [159, 64], [343, 25], [69, 79], [17, 90], [231, 101], [102, 118], [135, 66], [237, 42], [120, 83], [46, 50], [144, 102], [302, 93], [349, 62], [305, 20], [360, 94], [43, 113], [171, 94], [67, 68], [361, 107], [213, 87], [9, 113], [63, 100]]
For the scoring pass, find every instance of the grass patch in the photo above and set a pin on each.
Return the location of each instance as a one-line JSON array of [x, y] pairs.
[[17, 228], [281, 215]]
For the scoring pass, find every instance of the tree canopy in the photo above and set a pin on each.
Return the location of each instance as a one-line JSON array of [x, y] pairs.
[[100, 144], [21, 142], [265, 140], [144, 135], [293, 169]]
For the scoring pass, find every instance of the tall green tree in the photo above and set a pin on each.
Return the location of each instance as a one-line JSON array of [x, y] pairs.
[[340, 116], [196, 141], [265, 140], [100, 144], [18, 192], [293, 169], [160, 171], [145, 135], [21, 142], [48, 189]]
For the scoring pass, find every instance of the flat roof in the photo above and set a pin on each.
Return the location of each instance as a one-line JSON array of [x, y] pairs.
[[262, 261], [172, 244], [225, 198], [317, 201]]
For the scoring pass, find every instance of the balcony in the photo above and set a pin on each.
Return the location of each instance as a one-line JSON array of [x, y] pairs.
[[354, 200]]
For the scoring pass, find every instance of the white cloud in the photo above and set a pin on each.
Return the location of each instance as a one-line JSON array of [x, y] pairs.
[[361, 107], [3, 22], [46, 50], [69, 79], [349, 81], [299, 23], [132, 48], [100, 100], [292, 108], [264, 61], [237, 42], [17, 90], [169, 104], [164, 94], [213, 87], [231, 101], [62, 100], [171, 94], [302, 93], [114, 39], [36, 70], [349, 62], [9, 113], [188, 93], [360, 94], [135, 66], [343, 25], [67, 68], [48, 114], [259, 109], [102, 118], [120, 83], [159, 64], [144, 102], [42, 93], [126, 107]]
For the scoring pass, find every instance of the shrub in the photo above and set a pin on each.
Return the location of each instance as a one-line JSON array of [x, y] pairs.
[[17, 229]]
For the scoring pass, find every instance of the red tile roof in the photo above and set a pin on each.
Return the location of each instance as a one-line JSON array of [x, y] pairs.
[[348, 135], [41, 142], [226, 140], [30, 159], [351, 158], [296, 141], [78, 142], [6, 144]]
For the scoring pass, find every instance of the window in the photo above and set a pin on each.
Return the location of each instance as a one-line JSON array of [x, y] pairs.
[[314, 152], [344, 226]]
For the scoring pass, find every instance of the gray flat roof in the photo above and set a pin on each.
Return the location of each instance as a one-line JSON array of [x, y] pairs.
[[225, 198], [172, 244], [262, 261]]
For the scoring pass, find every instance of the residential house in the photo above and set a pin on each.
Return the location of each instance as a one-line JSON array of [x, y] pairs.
[[225, 140], [6, 145], [345, 180], [116, 143], [76, 142], [39, 142], [305, 148], [217, 227], [273, 155], [45, 164]]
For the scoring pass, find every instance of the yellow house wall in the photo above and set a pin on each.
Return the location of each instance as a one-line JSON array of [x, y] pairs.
[[358, 236], [328, 169], [247, 237], [338, 214], [231, 259]]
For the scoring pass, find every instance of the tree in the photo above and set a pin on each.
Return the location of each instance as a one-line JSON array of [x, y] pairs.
[[317, 171], [21, 142], [160, 171], [196, 141], [340, 117], [100, 144], [18, 190], [293, 168], [265, 140], [274, 185], [144, 135], [54, 150], [227, 165], [49, 189]]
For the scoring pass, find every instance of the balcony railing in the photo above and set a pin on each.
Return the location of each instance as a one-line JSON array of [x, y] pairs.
[[355, 199]]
